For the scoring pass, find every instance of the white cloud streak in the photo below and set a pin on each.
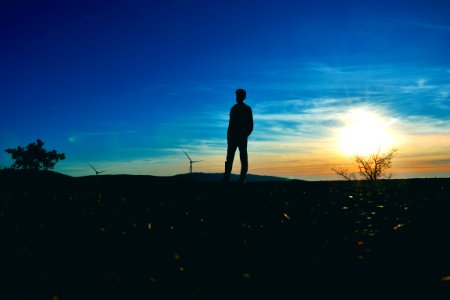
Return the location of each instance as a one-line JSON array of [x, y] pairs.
[[297, 136], [428, 25], [420, 85]]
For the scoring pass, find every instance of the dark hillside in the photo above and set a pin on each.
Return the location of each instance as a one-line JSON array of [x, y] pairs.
[[234, 177], [135, 237]]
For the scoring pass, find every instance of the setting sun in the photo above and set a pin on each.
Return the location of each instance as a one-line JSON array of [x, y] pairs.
[[365, 132]]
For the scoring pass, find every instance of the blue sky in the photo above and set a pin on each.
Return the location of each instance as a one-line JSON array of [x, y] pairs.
[[125, 84]]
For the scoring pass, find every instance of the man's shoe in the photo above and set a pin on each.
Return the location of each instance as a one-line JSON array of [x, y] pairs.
[[225, 179]]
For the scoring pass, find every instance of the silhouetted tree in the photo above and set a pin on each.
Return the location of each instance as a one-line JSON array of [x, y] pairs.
[[371, 167], [34, 157], [344, 173]]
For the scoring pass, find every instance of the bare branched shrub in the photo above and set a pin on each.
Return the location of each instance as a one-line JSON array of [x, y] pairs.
[[371, 167], [344, 173]]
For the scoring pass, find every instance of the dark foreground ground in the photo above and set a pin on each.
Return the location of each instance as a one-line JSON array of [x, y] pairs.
[[136, 237]]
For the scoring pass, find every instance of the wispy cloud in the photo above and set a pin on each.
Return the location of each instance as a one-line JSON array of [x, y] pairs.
[[75, 137], [428, 25], [152, 166], [298, 136], [326, 69], [420, 85], [442, 100]]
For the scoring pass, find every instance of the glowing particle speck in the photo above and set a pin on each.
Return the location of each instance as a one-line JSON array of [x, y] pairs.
[[398, 226], [177, 256], [286, 216], [445, 278], [246, 275]]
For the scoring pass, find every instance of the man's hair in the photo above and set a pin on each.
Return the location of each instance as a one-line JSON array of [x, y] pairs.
[[241, 92]]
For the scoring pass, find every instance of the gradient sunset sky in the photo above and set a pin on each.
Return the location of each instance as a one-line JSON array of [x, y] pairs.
[[125, 85]]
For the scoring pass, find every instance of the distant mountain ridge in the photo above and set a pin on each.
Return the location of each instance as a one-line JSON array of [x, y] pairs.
[[234, 177], [53, 176]]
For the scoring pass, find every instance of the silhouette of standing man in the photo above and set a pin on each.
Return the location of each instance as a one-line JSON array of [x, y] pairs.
[[239, 129]]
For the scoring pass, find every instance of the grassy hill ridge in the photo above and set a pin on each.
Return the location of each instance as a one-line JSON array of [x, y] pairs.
[[139, 236]]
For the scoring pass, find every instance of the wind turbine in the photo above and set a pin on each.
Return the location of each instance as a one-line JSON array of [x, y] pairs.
[[96, 171], [190, 162]]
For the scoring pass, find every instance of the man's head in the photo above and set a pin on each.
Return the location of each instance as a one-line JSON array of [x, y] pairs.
[[240, 95]]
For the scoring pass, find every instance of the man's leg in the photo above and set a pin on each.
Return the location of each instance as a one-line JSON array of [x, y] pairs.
[[231, 150], [244, 159]]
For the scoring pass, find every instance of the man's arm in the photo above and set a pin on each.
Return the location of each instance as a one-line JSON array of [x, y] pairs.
[[250, 123]]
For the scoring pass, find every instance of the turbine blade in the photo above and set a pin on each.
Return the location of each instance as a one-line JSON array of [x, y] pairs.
[[187, 155], [194, 161], [93, 167]]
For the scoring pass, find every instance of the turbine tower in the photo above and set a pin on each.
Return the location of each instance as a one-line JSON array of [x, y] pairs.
[[96, 171], [190, 162]]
